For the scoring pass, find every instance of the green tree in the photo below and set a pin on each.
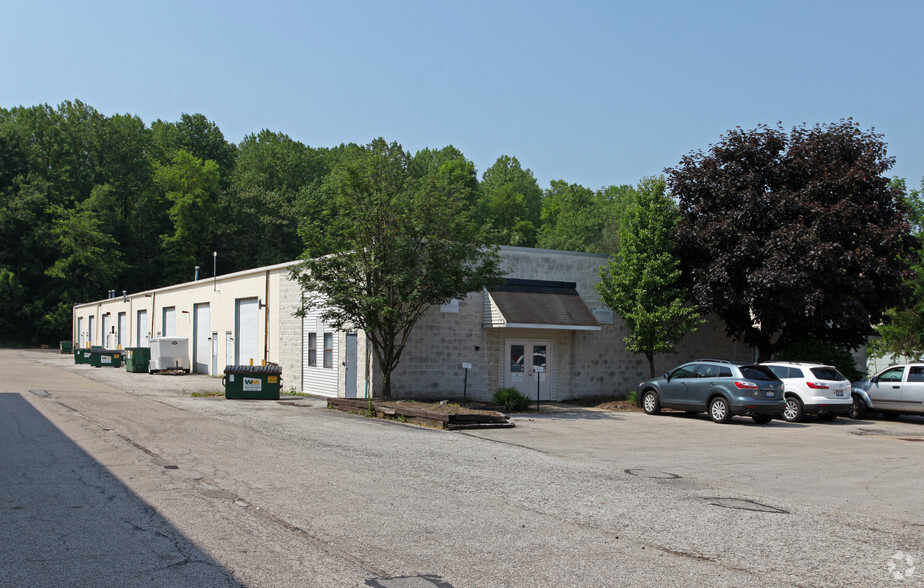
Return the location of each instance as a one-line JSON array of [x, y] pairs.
[[570, 218], [902, 330], [642, 282], [262, 208], [793, 237], [408, 242], [512, 203], [191, 186]]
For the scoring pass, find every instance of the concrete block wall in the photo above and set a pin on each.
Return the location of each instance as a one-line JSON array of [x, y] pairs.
[[290, 332], [431, 365]]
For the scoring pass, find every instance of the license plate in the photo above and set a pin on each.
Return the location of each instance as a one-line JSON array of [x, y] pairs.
[[839, 393], [770, 394]]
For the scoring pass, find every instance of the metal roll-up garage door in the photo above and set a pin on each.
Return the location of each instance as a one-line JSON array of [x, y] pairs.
[[201, 333], [247, 335]]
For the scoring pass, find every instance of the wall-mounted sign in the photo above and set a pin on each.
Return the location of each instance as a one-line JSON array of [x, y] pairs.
[[466, 366]]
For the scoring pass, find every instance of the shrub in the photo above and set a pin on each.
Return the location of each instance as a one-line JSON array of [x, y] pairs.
[[632, 397], [510, 399]]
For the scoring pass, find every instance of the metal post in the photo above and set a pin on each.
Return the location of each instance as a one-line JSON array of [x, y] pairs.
[[215, 271], [537, 391], [465, 388]]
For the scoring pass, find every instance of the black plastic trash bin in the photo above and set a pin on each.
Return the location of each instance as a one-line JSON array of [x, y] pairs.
[[252, 381]]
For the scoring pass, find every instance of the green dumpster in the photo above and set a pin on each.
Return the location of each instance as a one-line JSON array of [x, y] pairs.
[[105, 358], [82, 355], [137, 359], [67, 347], [252, 381]]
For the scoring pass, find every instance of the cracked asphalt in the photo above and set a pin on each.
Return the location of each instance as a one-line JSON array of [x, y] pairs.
[[116, 479]]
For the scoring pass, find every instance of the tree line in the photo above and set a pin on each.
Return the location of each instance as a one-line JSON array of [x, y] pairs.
[[788, 237], [91, 203]]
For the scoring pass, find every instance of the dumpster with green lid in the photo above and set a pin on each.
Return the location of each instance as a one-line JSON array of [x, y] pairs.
[[252, 381], [105, 358], [137, 359], [67, 347], [82, 355]]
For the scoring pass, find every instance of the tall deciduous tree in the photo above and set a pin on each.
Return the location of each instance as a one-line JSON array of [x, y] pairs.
[[795, 236], [902, 330], [512, 203], [642, 282], [191, 185], [408, 242]]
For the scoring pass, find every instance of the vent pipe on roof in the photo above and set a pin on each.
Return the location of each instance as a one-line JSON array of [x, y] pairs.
[[196, 279]]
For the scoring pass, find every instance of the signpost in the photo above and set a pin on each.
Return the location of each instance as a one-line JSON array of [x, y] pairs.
[[538, 370], [466, 367]]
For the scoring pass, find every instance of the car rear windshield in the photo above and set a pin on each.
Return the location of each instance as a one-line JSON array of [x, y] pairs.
[[828, 373], [757, 372]]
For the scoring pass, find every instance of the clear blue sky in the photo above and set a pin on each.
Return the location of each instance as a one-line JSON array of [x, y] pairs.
[[595, 93]]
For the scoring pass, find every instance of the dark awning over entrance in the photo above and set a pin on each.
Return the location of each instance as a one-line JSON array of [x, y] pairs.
[[538, 304]]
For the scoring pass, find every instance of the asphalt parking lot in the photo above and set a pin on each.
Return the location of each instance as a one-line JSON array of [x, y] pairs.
[[570, 496]]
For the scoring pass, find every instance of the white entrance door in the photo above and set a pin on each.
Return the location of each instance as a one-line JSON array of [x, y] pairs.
[[201, 331], [229, 348], [123, 331], [142, 336], [107, 338], [529, 367], [214, 341]]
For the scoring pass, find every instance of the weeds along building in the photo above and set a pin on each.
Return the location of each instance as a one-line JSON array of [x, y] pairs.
[[545, 331]]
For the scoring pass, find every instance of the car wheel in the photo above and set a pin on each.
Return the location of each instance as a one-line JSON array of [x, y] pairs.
[[793, 413], [650, 402], [826, 416], [762, 419], [858, 409], [719, 411]]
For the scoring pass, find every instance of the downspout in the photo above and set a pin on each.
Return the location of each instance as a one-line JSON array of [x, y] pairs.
[[266, 321]]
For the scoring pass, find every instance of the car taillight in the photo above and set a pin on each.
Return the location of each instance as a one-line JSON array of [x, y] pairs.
[[817, 386], [745, 385]]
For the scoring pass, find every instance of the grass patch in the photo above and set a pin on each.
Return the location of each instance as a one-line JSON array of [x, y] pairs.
[[205, 394]]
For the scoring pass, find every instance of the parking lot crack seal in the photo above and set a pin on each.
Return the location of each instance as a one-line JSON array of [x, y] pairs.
[[744, 504]]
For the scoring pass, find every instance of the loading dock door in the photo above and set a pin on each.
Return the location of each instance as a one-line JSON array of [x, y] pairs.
[[247, 337], [201, 331]]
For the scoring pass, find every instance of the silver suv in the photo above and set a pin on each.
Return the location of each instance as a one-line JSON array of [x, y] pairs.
[[719, 387], [812, 388]]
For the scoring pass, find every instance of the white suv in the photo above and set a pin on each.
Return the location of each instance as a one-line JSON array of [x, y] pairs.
[[812, 388]]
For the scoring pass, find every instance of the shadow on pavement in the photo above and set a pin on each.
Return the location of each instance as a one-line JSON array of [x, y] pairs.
[[65, 520]]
